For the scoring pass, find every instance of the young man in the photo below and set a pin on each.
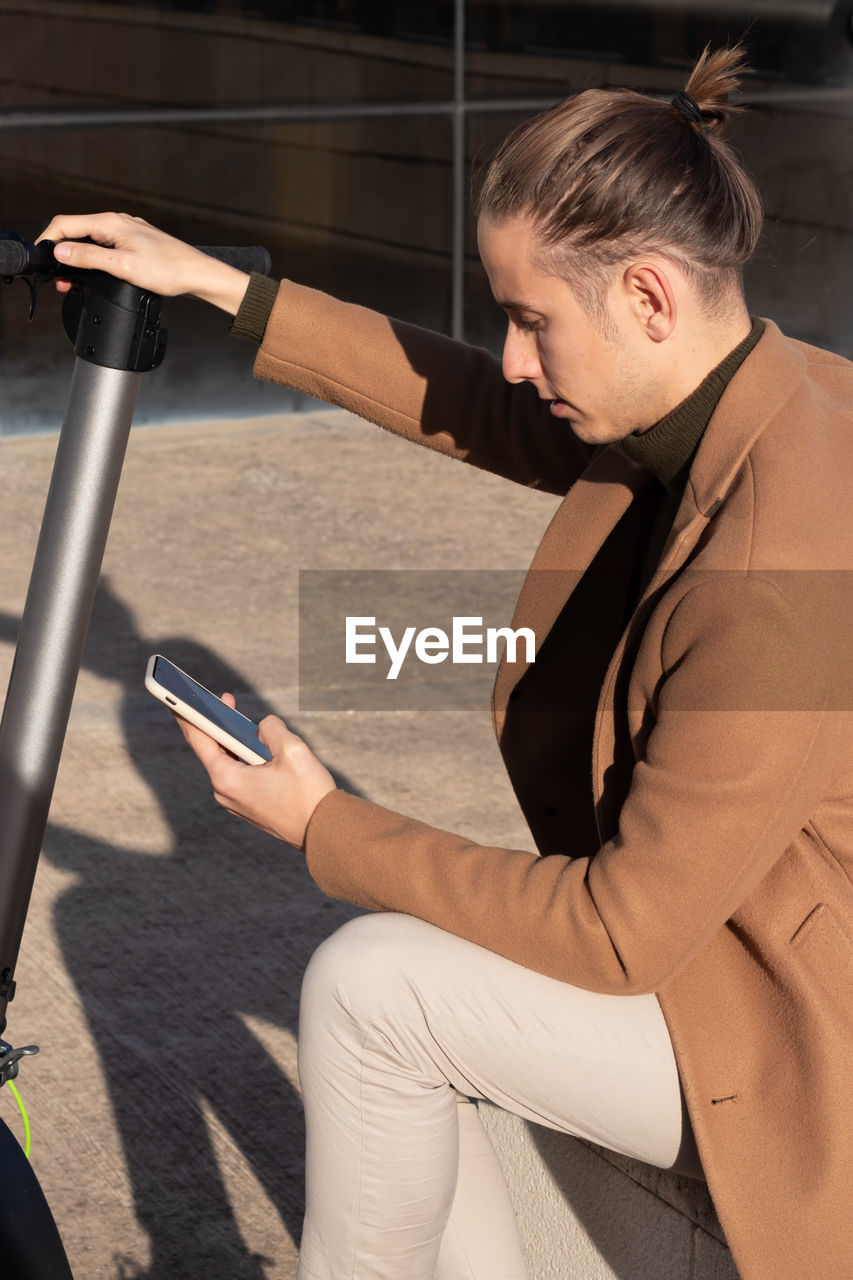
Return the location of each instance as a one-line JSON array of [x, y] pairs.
[[682, 929]]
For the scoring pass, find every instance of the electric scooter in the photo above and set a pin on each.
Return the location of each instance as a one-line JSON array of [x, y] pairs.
[[117, 335]]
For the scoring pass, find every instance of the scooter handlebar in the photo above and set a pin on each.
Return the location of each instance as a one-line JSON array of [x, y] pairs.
[[18, 258], [244, 258]]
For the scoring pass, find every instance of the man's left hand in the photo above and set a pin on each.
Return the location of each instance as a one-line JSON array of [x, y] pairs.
[[278, 797]]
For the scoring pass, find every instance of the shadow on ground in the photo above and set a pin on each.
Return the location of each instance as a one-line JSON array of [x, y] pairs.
[[177, 956]]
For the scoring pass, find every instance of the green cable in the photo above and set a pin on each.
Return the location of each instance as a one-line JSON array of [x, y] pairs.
[[26, 1118]]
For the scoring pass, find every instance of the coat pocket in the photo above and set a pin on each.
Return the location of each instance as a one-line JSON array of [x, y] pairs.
[[827, 951]]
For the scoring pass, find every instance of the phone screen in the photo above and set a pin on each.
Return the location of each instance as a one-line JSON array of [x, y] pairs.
[[202, 700]]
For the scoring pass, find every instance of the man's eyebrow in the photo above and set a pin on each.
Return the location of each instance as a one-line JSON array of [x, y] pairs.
[[509, 304]]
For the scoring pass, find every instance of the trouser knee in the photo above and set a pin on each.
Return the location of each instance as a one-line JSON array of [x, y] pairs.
[[359, 968]]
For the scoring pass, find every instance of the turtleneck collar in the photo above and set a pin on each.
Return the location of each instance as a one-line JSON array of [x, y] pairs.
[[667, 449]]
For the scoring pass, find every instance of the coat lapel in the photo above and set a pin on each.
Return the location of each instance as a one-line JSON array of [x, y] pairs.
[[756, 394], [688, 527], [581, 524]]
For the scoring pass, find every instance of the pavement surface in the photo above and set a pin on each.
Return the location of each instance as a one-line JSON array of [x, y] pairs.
[[162, 958]]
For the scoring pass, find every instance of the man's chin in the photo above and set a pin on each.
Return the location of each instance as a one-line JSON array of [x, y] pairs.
[[592, 432], [589, 432]]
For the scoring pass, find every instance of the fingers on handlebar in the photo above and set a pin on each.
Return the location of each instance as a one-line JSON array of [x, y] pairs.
[[105, 228], [90, 257]]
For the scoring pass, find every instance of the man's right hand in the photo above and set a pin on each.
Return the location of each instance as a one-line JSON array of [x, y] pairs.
[[131, 249]]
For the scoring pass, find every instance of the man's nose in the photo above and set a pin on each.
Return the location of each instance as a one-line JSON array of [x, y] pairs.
[[520, 356]]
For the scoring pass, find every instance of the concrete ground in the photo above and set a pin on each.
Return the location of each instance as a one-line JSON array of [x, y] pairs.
[[162, 957]]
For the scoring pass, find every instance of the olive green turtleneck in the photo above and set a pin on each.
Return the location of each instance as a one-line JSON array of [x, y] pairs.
[[667, 450]]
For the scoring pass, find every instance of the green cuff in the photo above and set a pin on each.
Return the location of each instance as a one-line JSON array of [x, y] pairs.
[[251, 319]]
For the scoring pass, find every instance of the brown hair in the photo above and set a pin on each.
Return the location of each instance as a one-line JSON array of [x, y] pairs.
[[611, 173]]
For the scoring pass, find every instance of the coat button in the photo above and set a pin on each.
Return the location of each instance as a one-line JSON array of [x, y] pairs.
[[550, 811]]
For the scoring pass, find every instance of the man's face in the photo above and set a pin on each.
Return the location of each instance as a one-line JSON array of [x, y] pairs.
[[602, 386]]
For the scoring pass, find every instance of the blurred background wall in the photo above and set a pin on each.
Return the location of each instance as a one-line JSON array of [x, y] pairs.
[[342, 134]]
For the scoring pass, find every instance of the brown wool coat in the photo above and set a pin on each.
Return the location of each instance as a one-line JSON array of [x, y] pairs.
[[718, 870]]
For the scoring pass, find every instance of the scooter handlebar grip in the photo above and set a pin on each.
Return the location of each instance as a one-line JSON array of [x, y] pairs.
[[19, 258], [14, 258], [245, 258]]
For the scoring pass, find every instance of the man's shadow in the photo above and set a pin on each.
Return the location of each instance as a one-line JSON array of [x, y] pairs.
[[171, 953]]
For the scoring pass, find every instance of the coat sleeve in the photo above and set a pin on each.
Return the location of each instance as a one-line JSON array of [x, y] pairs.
[[421, 385], [743, 747]]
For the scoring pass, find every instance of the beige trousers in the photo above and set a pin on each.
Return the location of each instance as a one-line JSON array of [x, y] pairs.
[[402, 1027]]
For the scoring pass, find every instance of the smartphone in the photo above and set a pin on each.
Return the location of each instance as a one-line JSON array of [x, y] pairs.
[[189, 699]]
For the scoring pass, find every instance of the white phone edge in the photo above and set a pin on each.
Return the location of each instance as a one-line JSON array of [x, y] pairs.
[[222, 736]]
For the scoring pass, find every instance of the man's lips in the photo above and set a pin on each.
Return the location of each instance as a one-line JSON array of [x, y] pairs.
[[560, 408]]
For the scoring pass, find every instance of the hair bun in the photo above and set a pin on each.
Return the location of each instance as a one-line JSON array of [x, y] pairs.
[[687, 106], [712, 82]]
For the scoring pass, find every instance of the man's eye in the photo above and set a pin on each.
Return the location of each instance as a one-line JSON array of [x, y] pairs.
[[529, 326]]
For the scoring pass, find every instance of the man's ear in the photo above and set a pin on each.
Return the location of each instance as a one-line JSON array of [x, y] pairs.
[[650, 296]]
